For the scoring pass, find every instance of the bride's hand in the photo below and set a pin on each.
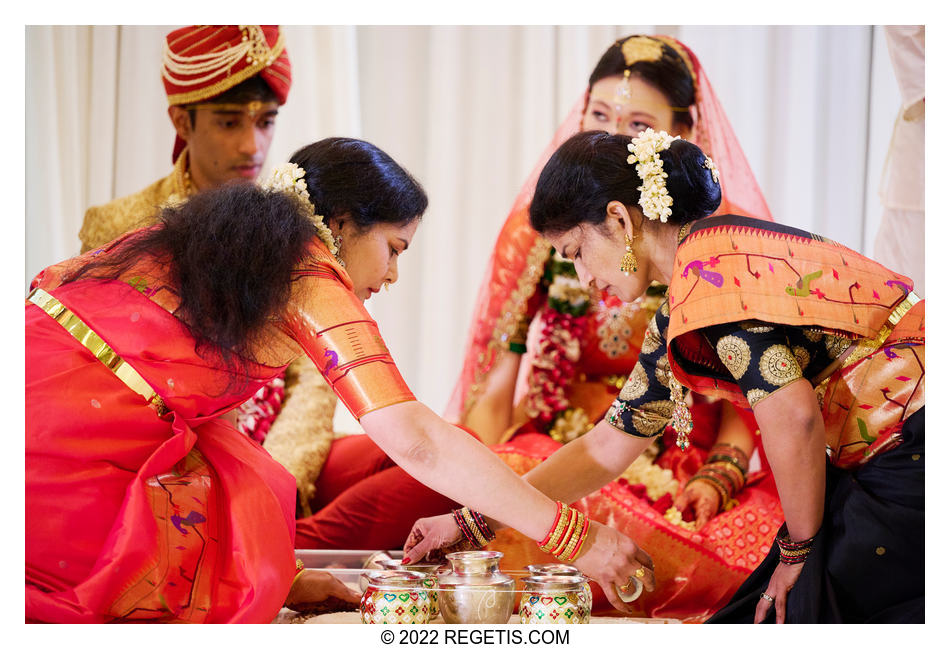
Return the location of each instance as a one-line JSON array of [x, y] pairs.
[[701, 499]]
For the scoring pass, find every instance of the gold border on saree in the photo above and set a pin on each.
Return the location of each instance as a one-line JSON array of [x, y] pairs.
[[99, 348], [867, 346]]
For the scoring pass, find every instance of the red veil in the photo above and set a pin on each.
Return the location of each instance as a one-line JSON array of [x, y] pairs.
[[517, 261]]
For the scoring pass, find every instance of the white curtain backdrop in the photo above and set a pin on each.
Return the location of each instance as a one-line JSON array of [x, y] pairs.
[[467, 109]]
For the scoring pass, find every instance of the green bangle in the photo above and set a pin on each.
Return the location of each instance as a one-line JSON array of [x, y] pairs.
[[718, 457], [517, 348]]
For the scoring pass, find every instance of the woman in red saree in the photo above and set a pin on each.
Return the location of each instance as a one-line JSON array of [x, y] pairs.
[[826, 346], [143, 503]]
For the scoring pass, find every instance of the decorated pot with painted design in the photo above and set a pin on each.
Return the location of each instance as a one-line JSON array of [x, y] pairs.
[[474, 590], [395, 597], [555, 599], [429, 569], [562, 569]]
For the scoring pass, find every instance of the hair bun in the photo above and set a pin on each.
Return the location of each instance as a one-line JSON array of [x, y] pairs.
[[690, 182]]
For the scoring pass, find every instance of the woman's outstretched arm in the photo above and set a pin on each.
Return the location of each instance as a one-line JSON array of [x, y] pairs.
[[448, 460]]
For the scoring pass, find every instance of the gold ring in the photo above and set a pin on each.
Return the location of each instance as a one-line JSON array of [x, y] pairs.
[[639, 573]]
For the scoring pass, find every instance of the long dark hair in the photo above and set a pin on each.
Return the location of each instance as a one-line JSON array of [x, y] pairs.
[[669, 74], [354, 178], [231, 251], [590, 169]]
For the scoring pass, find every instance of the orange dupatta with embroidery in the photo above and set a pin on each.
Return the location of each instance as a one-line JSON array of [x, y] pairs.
[[731, 269]]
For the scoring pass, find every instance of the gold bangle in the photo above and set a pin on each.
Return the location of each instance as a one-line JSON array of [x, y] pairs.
[[565, 537], [715, 475], [300, 570], [717, 486], [731, 451], [571, 542], [557, 520], [720, 474], [572, 526], [575, 537], [555, 535], [580, 543], [732, 468], [473, 528]]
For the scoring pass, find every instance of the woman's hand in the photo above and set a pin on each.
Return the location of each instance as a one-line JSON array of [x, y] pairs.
[[702, 499], [314, 587], [433, 536], [611, 558], [782, 581]]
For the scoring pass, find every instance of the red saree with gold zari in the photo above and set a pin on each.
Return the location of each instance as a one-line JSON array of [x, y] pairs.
[[142, 504]]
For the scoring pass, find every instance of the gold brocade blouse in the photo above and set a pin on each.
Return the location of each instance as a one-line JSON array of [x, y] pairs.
[[328, 323]]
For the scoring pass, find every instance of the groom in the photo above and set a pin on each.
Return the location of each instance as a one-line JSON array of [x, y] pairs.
[[224, 84]]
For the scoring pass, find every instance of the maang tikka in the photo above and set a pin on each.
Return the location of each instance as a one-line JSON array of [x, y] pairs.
[[628, 263]]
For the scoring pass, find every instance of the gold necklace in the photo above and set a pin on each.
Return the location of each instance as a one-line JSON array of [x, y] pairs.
[[683, 232]]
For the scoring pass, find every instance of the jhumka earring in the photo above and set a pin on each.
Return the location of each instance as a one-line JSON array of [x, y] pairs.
[[338, 242], [628, 263]]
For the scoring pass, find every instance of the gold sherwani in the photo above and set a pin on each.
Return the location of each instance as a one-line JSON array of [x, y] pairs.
[[104, 223]]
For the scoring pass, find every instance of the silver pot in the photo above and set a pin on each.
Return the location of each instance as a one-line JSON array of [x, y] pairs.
[[553, 569], [474, 591]]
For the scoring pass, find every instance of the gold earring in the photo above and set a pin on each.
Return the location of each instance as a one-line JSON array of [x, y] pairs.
[[338, 242], [628, 263]]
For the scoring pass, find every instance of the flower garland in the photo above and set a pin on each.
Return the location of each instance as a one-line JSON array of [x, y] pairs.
[[563, 322], [656, 485], [256, 415], [289, 177]]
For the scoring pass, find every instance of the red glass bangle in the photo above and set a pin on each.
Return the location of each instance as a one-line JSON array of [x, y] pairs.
[[557, 518]]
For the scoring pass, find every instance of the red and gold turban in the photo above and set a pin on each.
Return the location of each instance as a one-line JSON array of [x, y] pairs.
[[202, 61]]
